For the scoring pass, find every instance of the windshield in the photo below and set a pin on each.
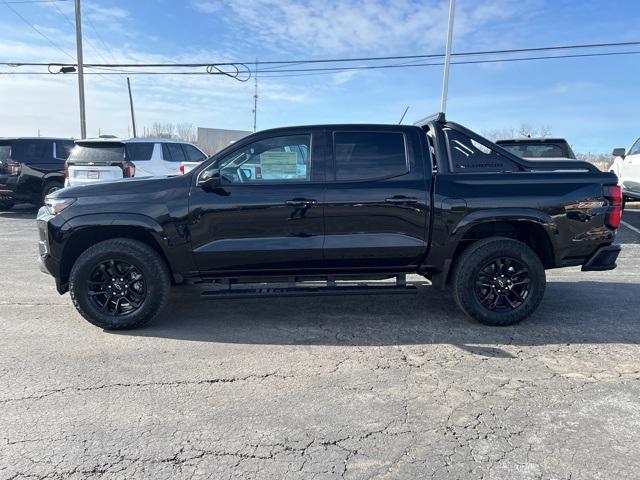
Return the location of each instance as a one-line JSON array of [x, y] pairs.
[[97, 153], [541, 150]]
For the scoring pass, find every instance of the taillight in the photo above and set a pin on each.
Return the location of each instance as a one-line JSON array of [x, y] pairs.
[[182, 168], [128, 170], [614, 213], [13, 167]]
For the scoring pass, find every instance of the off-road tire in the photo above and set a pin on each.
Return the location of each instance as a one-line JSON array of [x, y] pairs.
[[144, 258], [468, 265], [50, 187]]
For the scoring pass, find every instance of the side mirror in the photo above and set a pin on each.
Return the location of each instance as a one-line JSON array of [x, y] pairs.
[[209, 180], [619, 152]]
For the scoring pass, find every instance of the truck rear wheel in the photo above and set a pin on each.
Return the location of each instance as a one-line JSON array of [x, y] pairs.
[[498, 281], [119, 284]]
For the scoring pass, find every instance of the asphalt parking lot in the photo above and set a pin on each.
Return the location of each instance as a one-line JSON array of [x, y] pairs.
[[346, 387]]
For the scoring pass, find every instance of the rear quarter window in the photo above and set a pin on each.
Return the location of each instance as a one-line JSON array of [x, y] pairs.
[[5, 151], [63, 149]]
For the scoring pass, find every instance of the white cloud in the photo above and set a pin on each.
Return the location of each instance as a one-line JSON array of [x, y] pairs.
[[207, 7], [321, 26]]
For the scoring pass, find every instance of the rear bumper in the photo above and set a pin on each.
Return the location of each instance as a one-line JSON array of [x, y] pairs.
[[8, 188], [602, 259]]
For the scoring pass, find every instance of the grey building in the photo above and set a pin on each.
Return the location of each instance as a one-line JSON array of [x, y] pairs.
[[213, 140]]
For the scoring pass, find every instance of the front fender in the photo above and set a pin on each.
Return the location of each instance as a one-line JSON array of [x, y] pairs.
[[174, 250]]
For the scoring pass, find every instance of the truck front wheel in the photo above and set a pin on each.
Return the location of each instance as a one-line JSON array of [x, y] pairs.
[[119, 284], [498, 281]]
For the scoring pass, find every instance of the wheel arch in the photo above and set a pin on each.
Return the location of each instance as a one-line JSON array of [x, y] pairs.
[[532, 227], [82, 232]]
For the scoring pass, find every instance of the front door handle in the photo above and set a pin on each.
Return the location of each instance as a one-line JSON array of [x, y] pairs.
[[300, 202], [401, 199]]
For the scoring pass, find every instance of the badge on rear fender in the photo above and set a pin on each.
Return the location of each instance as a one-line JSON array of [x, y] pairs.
[[590, 205]]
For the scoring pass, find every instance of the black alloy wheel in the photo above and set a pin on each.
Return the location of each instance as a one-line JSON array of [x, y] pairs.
[[498, 281], [502, 284], [116, 287]]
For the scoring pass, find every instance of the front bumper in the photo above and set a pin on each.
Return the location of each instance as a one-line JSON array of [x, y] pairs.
[[602, 259]]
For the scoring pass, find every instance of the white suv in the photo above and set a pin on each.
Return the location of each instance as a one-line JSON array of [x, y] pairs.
[[627, 167], [105, 159]]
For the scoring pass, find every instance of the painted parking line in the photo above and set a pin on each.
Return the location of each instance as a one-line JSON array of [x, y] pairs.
[[630, 227]]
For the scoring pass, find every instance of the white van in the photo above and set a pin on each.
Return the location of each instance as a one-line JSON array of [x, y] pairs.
[[105, 159]]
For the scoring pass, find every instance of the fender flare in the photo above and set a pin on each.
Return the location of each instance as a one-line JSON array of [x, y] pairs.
[[530, 215], [135, 220], [479, 217]]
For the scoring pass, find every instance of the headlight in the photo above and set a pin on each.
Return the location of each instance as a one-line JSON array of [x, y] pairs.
[[55, 205]]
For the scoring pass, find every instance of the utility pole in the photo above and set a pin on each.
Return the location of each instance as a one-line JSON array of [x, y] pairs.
[[133, 117], [447, 59], [83, 121], [255, 99]]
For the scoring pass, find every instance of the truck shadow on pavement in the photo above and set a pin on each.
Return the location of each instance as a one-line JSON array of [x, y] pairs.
[[572, 312], [23, 212]]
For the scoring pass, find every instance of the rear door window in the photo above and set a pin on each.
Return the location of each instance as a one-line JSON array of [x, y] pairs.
[[140, 152], [172, 152], [369, 155]]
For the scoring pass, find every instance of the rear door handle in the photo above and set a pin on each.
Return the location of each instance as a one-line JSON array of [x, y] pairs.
[[300, 202], [401, 199]]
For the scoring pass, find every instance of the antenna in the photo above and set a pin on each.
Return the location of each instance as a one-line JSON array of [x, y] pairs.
[[255, 99], [405, 112]]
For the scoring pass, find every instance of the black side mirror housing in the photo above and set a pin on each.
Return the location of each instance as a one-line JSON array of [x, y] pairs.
[[209, 180], [619, 152]]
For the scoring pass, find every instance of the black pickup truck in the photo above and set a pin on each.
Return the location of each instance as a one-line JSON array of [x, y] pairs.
[[327, 210]]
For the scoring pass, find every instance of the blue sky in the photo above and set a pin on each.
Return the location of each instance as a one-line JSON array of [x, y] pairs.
[[593, 102]]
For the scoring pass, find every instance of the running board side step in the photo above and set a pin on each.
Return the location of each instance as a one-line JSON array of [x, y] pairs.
[[331, 288]]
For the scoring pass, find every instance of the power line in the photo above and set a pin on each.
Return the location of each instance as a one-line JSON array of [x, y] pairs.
[[337, 60], [325, 71], [6, 3], [36, 1], [93, 47]]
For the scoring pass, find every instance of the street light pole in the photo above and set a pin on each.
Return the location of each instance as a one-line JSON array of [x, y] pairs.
[[83, 122], [447, 59]]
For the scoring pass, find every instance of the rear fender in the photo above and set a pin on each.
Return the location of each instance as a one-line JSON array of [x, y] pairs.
[[518, 216]]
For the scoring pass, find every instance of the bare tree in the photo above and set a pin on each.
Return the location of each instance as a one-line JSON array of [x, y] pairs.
[[162, 130], [544, 131], [186, 131], [499, 133], [526, 130]]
